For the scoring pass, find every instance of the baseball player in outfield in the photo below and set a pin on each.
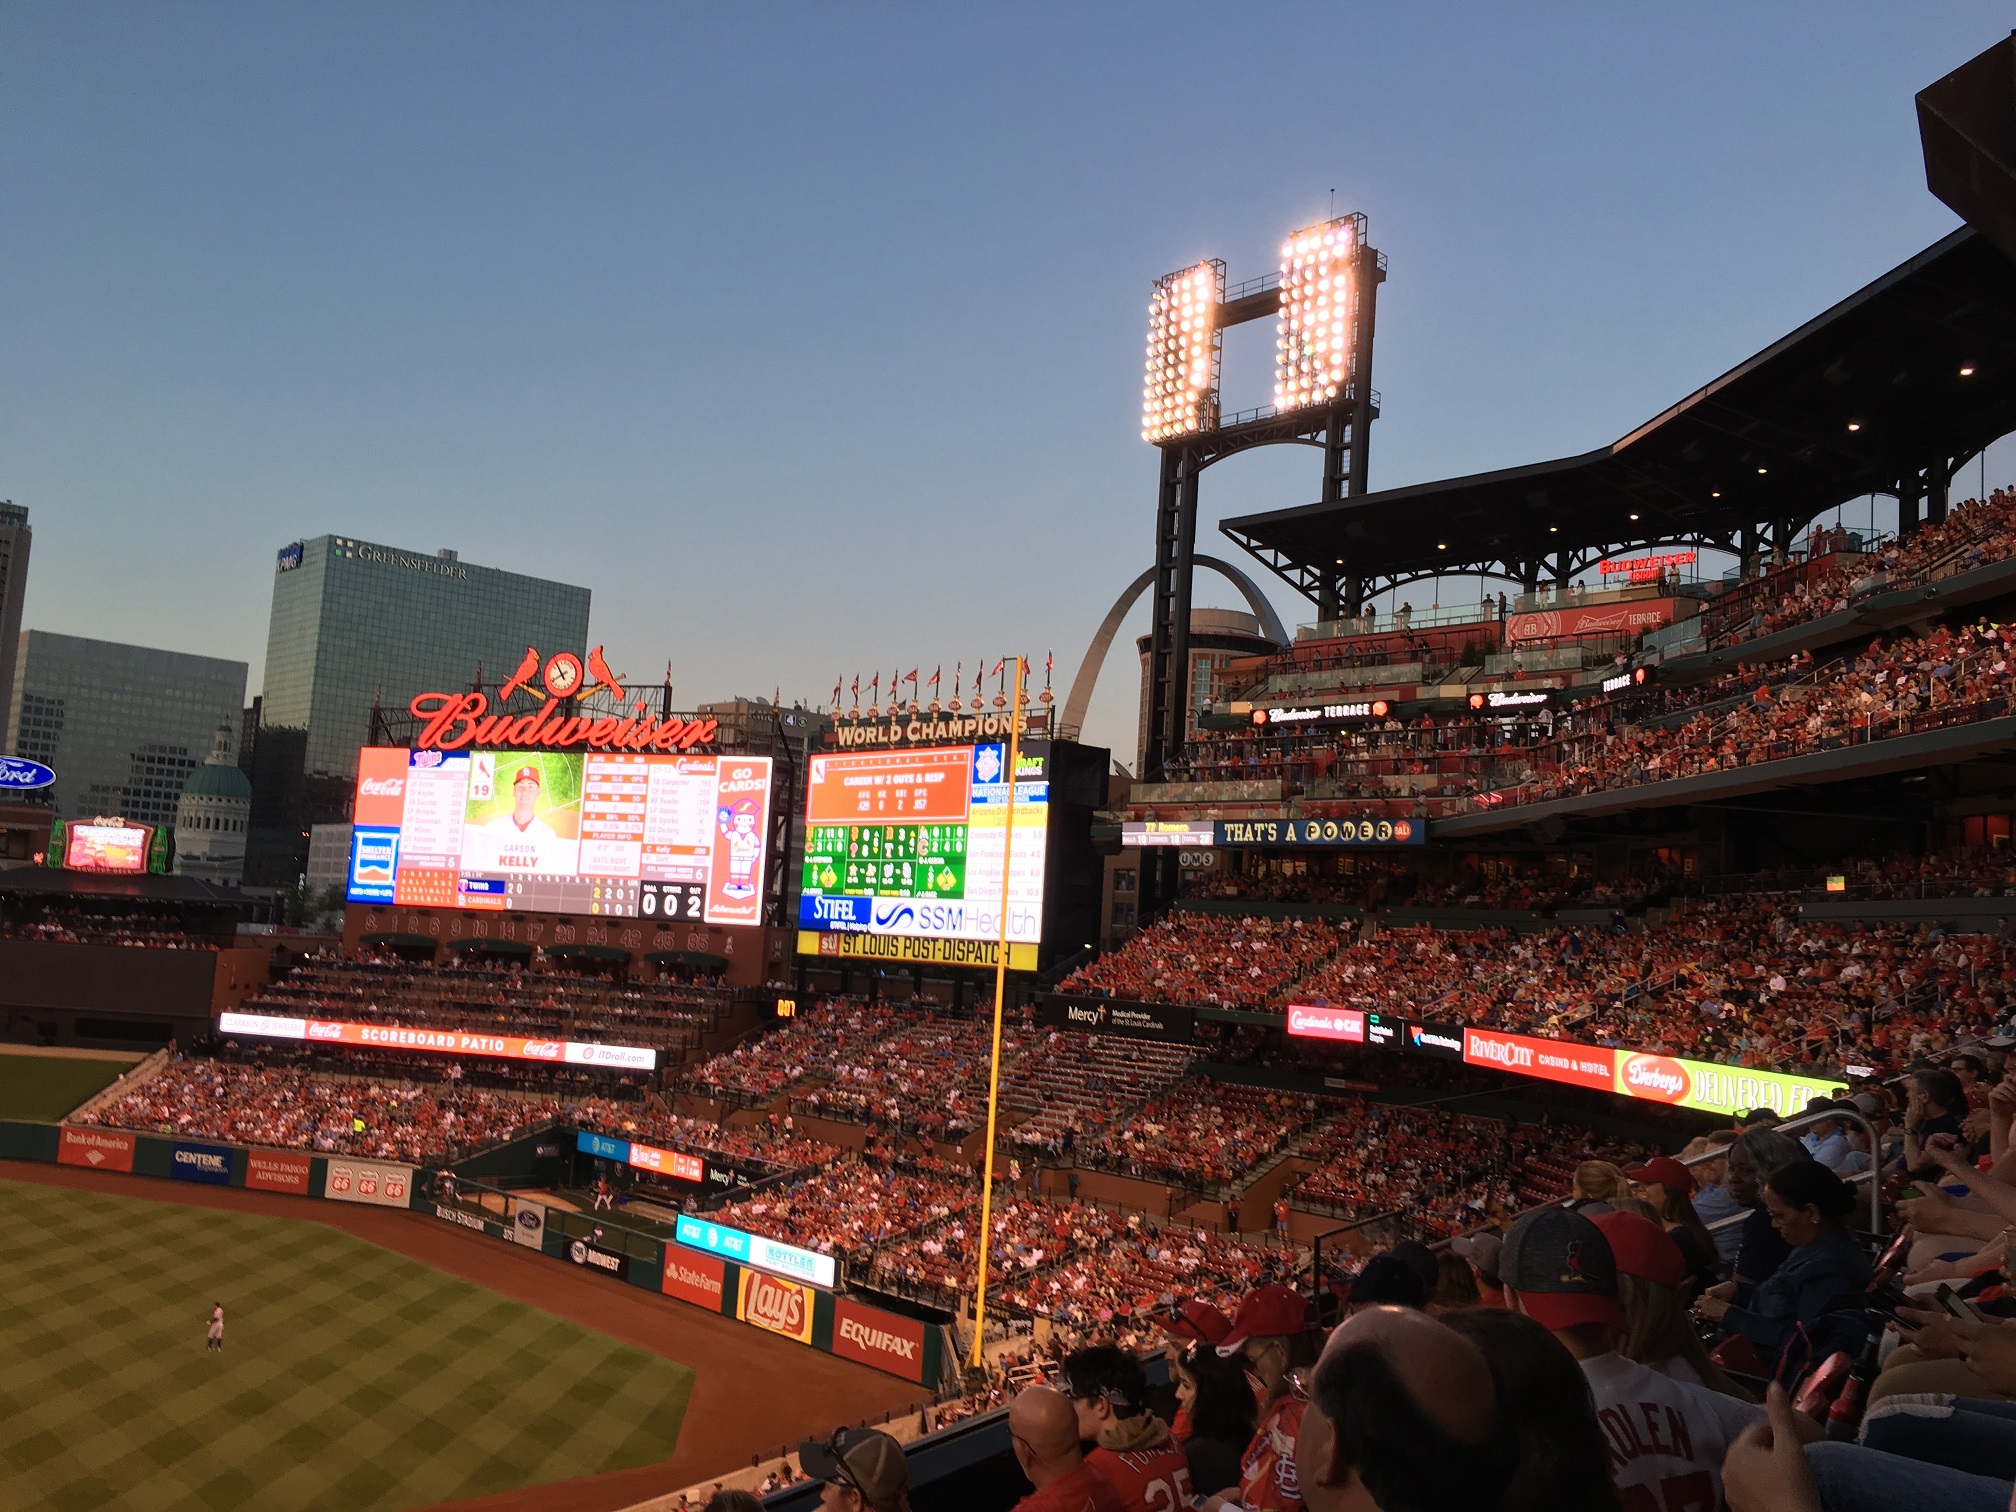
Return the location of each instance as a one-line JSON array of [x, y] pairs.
[[216, 1336]]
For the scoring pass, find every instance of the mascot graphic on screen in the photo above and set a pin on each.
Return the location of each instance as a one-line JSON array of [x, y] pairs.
[[744, 840], [524, 841]]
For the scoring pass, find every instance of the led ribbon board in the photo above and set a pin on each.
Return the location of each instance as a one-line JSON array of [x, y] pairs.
[[815, 1269], [438, 1041]]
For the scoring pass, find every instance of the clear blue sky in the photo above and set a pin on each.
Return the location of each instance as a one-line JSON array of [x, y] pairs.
[[810, 337]]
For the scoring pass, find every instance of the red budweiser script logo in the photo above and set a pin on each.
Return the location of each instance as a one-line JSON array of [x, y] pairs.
[[1655, 1076], [95, 1148], [781, 1306]]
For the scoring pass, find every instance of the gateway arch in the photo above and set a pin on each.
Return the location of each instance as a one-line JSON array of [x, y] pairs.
[[1072, 720]]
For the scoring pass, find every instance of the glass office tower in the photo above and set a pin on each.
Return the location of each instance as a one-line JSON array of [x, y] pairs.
[[123, 726], [355, 623]]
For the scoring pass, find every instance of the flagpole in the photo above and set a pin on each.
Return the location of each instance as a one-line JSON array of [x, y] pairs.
[[1000, 992]]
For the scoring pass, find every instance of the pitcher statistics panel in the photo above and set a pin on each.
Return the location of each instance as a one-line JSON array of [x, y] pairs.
[[914, 842], [595, 832]]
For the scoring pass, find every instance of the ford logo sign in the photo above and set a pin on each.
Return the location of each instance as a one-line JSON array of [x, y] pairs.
[[19, 772]]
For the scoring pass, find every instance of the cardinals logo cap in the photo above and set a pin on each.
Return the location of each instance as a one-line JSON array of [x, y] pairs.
[[1561, 1266]]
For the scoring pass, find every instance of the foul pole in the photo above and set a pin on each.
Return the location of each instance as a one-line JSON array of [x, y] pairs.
[[1000, 993]]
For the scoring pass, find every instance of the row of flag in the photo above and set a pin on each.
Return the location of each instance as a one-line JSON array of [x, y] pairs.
[[898, 704]]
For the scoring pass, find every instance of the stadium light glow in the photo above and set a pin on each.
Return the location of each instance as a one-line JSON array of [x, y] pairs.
[[1319, 311], [1179, 394]]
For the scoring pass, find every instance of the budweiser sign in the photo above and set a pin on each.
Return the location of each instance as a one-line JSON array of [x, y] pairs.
[[783, 1307], [451, 721]]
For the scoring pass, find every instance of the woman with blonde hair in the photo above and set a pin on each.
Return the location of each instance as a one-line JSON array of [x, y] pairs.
[[1598, 1181], [1650, 1274]]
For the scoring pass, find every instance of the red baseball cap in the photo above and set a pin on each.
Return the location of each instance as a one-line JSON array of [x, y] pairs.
[[1192, 1319], [1665, 1171], [1642, 1248], [1264, 1313], [525, 774], [1559, 1265]]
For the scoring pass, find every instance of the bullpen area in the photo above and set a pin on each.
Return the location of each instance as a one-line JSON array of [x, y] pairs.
[[351, 1377]]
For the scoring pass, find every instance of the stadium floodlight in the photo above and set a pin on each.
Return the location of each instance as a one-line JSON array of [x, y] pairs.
[[1319, 313], [1179, 395]]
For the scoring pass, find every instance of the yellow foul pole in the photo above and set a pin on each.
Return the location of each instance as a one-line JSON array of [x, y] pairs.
[[1000, 994]]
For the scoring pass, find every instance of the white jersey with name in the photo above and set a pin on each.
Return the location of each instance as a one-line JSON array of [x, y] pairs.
[[1666, 1438]]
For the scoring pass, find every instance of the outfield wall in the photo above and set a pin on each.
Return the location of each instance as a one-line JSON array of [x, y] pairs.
[[822, 1320]]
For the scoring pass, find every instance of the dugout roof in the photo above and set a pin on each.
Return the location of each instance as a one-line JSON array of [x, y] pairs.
[[1770, 437]]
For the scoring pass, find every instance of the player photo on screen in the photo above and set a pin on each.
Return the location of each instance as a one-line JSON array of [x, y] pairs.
[[524, 813]]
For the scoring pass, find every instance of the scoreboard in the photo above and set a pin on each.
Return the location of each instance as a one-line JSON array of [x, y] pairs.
[[915, 843], [597, 832]]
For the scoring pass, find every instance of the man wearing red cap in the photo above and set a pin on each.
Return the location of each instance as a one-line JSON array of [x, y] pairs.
[[1665, 1436], [1271, 1333]]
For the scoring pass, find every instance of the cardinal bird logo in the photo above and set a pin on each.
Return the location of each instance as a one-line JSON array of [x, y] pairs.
[[528, 668], [600, 676]]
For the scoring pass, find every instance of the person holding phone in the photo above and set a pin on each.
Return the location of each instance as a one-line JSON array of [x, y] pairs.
[[1809, 1207]]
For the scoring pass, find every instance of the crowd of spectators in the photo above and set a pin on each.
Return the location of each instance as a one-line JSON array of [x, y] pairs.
[[146, 929], [288, 1107], [929, 1077], [819, 1038], [1203, 1133], [1211, 958], [1974, 533], [856, 1207]]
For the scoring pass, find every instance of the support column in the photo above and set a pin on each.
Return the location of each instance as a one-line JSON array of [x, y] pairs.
[[1909, 491], [1939, 477]]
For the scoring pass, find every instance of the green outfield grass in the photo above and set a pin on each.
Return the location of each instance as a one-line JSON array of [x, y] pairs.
[[43, 1088], [351, 1377]]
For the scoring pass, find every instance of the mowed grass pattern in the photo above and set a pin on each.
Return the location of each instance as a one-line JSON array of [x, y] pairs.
[[42, 1088], [351, 1377]]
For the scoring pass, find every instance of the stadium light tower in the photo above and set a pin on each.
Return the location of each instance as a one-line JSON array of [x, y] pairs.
[[1324, 298]]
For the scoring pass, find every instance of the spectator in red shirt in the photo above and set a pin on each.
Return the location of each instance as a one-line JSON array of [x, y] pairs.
[[1272, 1333], [1133, 1449], [1044, 1429]]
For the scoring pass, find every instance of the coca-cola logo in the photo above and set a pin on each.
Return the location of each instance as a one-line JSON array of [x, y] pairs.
[[1656, 1077], [319, 1030], [382, 787], [776, 1305], [542, 1049]]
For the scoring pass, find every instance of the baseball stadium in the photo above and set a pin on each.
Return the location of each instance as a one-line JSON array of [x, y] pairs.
[[1606, 979]]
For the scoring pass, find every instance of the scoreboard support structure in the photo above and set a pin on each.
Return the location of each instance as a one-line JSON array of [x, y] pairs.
[[1341, 428]]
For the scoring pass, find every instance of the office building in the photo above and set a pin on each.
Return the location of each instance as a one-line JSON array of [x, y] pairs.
[[121, 726], [356, 624], [14, 542], [1218, 638]]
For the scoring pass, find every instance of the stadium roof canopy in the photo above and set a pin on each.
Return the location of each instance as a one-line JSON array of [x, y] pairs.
[[1765, 448]]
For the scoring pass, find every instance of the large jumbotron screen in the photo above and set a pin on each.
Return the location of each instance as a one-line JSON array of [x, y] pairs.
[[650, 836], [912, 843]]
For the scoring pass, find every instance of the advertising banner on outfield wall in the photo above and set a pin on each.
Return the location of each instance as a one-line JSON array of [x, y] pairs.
[[210, 1164], [1099, 1015], [870, 1336], [1719, 1089], [277, 1171], [594, 1257], [783, 1307], [1317, 1021], [372, 1181], [528, 1223], [698, 1279], [97, 1149]]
